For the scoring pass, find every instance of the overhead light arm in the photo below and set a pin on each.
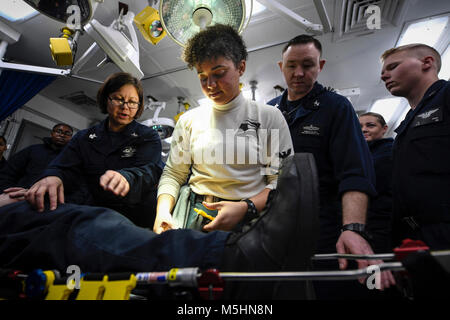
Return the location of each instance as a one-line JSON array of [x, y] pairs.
[[36, 69], [323, 15], [293, 17]]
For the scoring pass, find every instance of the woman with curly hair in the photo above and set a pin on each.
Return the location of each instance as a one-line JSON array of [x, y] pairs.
[[227, 153]]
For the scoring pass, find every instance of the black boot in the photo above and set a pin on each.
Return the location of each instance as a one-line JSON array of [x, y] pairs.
[[282, 238]]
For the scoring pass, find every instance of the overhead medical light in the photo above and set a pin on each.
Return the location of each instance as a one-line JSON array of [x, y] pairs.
[[149, 24], [73, 13], [183, 19], [62, 10], [77, 15], [164, 126], [123, 52]]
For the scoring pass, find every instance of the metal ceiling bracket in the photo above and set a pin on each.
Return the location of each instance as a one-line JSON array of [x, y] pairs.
[[293, 17]]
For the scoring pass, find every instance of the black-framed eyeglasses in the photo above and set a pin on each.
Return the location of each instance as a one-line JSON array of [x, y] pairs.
[[118, 102], [63, 132]]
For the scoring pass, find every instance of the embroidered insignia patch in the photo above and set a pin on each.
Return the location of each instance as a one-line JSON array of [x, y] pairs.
[[310, 130], [128, 152], [430, 116], [92, 136]]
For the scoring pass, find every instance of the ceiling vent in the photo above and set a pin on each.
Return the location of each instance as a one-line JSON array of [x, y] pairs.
[[351, 19], [79, 98]]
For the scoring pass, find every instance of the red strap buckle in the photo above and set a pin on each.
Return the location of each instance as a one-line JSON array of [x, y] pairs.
[[210, 285], [409, 246]]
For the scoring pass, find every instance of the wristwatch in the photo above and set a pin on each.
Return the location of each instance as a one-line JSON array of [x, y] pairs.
[[359, 228], [252, 212]]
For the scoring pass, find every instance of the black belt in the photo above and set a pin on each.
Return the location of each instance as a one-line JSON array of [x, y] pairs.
[[208, 198]]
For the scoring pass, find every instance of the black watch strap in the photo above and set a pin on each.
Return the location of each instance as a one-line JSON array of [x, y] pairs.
[[359, 228], [252, 212]]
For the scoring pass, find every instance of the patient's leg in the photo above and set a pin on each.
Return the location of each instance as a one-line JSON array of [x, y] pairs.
[[98, 240]]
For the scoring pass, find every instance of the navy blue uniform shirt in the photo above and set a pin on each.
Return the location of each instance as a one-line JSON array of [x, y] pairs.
[[3, 163], [325, 124], [26, 166], [134, 152], [421, 181], [379, 214]]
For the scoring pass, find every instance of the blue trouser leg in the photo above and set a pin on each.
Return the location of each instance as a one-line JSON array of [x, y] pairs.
[[98, 240]]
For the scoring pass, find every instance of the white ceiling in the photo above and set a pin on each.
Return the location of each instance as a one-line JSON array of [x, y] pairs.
[[350, 63]]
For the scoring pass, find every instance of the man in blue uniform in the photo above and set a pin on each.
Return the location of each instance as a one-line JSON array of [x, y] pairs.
[[325, 124], [421, 153], [25, 167]]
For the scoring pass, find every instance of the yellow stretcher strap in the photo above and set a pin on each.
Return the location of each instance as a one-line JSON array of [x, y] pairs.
[[106, 289], [56, 290], [91, 287], [119, 289]]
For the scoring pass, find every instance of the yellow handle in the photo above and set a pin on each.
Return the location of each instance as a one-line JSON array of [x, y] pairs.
[[204, 214]]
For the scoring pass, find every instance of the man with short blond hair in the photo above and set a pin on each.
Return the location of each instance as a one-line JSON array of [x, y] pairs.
[[417, 50], [421, 153]]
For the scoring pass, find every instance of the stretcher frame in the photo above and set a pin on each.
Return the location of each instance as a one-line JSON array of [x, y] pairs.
[[210, 283]]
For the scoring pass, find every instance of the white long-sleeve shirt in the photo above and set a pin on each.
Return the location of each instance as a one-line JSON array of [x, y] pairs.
[[234, 150]]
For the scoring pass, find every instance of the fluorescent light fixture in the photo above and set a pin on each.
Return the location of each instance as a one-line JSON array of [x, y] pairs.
[[445, 69], [14, 10], [427, 31], [386, 107]]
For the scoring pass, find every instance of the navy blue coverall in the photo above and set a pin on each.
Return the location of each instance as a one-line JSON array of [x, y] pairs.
[[325, 124], [421, 180], [25, 167], [134, 152]]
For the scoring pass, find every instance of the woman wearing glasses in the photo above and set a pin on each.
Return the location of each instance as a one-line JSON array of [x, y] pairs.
[[119, 158]]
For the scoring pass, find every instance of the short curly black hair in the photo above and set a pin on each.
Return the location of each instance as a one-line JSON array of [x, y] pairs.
[[215, 41], [113, 83]]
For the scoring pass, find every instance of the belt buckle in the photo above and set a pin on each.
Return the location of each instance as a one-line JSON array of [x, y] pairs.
[[412, 223], [209, 198]]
